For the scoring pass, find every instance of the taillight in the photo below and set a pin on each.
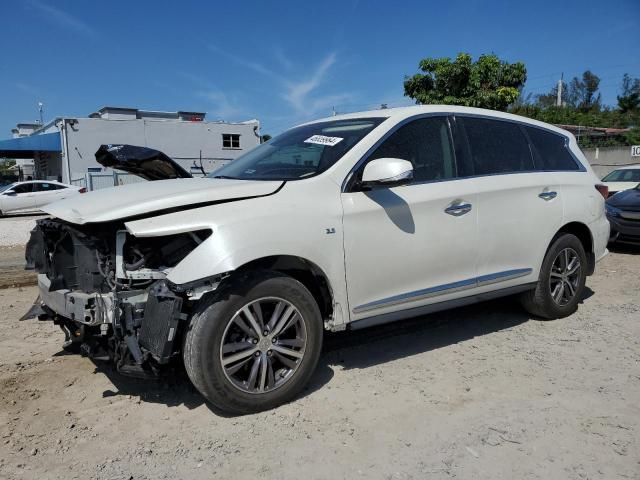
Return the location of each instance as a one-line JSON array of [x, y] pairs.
[[83, 190], [603, 189]]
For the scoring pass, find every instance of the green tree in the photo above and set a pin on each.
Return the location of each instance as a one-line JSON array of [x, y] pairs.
[[583, 93], [5, 166], [486, 83], [629, 98]]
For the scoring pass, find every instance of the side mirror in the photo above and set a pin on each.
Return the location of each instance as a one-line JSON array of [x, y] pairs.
[[10, 193], [387, 172]]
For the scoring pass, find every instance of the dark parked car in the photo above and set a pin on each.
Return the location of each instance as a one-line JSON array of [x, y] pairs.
[[623, 212]]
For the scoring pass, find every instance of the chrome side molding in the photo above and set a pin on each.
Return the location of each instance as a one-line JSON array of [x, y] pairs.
[[444, 289]]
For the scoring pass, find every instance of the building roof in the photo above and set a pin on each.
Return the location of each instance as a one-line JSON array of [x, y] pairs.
[[139, 113]]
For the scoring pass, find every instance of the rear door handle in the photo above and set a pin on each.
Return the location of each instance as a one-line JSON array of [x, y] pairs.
[[548, 195], [458, 208]]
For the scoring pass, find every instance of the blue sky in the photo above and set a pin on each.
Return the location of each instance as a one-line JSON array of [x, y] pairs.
[[284, 62]]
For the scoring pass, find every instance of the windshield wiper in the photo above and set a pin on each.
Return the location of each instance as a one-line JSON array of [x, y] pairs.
[[225, 177]]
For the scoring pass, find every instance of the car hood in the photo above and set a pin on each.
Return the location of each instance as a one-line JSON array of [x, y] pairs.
[[619, 186], [153, 198], [627, 200], [144, 162]]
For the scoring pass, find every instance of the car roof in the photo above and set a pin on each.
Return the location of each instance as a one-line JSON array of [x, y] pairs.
[[42, 181], [401, 113], [628, 167]]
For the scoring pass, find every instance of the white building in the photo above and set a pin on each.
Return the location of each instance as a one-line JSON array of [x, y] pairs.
[[64, 148]]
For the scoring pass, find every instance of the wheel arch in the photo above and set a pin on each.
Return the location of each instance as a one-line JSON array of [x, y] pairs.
[[305, 271], [585, 236]]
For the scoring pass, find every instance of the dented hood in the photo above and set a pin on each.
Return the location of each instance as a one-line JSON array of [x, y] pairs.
[[144, 162], [154, 198]]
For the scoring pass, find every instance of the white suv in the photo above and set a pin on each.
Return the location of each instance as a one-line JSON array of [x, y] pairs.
[[337, 224]]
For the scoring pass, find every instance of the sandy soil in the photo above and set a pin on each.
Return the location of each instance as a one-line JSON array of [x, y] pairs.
[[480, 392], [15, 229], [14, 234]]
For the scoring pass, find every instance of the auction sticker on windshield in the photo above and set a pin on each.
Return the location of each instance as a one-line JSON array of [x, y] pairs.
[[322, 140]]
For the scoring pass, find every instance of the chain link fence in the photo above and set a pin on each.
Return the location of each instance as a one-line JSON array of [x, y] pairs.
[[97, 181]]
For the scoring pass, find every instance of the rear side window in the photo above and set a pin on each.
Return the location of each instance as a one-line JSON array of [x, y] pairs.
[[46, 187], [550, 151], [426, 144], [496, 146]]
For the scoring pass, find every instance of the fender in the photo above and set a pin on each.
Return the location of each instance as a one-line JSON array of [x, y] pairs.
[[252, 229]]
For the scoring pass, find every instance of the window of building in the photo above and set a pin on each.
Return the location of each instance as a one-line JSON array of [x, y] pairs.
[[426, 144], [496, 146], [550, 150], [230, 140]]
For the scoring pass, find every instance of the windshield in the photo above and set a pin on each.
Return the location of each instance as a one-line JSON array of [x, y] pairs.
[[301, 152], [623, 175], [6, 187]]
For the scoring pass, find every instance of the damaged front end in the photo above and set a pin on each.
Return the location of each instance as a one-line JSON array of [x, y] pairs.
[[108, 290]]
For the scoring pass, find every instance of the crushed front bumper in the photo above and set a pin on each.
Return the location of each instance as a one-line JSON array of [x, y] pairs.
[[87, 308]]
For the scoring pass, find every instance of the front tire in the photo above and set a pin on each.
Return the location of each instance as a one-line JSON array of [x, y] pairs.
[[255, 343], [562, 279]]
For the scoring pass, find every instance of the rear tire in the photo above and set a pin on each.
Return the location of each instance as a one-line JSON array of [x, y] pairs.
[[561, 282], [255, 343]]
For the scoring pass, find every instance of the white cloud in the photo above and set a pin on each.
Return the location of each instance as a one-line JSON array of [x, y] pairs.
[[225, 108], [225, 105], [63, 19], [300, 93], [26, 88], [280, 56], [257, 67]]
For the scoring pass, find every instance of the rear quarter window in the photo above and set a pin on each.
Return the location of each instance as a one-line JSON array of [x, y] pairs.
[[496, 146], [551, 151]]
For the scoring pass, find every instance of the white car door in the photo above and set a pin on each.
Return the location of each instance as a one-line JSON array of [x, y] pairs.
[[519, 208], [17, 198], [46, 192], [410, 245]]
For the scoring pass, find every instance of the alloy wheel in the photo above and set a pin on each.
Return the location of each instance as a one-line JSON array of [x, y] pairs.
[[263, 345], [565, 276]]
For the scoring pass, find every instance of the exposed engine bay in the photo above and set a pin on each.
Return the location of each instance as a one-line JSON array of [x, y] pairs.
[[108, 291]]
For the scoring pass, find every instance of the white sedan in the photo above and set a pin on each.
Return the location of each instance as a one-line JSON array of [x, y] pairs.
[[623, 178], [34, 194]]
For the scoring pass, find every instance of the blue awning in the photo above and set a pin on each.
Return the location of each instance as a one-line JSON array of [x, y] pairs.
[[25, 147]]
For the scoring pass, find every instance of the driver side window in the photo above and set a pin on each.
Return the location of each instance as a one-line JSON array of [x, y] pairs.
[[24, 188], [426, 143]]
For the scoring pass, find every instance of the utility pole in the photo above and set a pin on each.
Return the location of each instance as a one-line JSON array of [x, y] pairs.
[[559, 99]]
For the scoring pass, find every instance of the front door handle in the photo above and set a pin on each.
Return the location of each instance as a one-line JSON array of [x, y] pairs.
[[548, 195], [458, 208]]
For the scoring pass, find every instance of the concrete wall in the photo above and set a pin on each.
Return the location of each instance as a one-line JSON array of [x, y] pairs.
[[605, 159], [180, 140]]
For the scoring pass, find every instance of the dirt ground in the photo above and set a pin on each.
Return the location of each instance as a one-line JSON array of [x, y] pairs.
[[479, 392], [14, 233]]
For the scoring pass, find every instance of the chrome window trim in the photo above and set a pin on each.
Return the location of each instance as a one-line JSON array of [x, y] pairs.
[[345, 183], [447, 288]]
